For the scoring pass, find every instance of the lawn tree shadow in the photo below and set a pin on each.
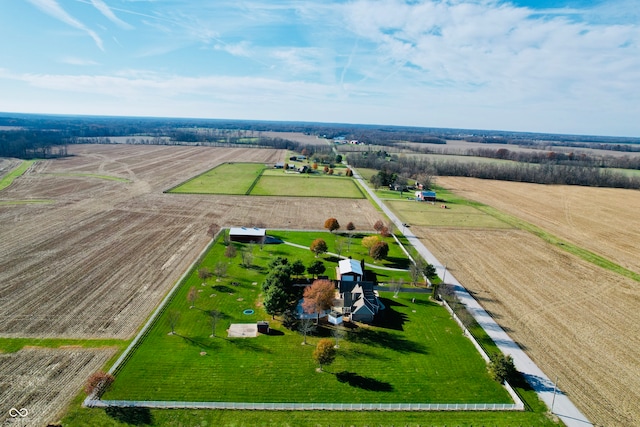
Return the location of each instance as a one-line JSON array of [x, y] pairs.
[[389, 318], [364, 383], [130, 415], [397, 262], [385, 339], [425, 302], [359, 353], [199, 342], [223, 288], [249, 344], [332, 258]]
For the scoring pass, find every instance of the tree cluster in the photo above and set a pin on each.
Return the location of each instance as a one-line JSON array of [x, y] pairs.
[[279, 293], [545, 173]]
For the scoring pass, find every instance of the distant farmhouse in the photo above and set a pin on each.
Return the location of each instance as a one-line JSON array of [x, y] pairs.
[[426, 196], [247, 235]]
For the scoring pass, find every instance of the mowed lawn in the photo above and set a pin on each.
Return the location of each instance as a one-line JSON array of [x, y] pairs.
[[228, 178], [303, 185], [455, 215], [415, 353]]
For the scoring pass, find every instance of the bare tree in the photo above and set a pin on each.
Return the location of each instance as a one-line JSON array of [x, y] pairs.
[[306, 326], [213, 229], [204, 273], [247, 257], [214, 316], [230, 252], [98, 383], [339, 246], [174, 318], [396, 286], [416, 271], [220, 269], [338, 333], [192, 296]]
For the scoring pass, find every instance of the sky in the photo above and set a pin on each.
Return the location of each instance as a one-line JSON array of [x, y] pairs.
[[568, 66]]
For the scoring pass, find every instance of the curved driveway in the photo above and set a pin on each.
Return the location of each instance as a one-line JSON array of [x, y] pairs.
[[559, 403]]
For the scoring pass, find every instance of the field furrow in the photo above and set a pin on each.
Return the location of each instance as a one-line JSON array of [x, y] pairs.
[[577, 321]]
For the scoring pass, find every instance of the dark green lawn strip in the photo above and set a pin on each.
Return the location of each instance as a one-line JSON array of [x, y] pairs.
[[8, 179]]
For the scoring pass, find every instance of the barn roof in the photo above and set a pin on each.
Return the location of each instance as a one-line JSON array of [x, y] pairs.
[[244, 231], [350, 266]]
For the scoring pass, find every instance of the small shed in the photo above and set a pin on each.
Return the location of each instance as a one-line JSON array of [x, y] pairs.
[[263, 327], [247, 235], [335, 318]]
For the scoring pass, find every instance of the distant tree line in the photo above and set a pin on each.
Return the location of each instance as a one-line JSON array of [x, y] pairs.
[[561, 158], [27, 144], [543, 173]]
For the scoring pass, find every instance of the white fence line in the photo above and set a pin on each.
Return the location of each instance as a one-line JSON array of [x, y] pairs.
[[306, 406]]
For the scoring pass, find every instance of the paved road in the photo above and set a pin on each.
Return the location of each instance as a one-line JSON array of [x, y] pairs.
[[559, 403]]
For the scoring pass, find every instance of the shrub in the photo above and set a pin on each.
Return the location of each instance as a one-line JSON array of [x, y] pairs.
[[98, 383], [380, 250], [501, 367]]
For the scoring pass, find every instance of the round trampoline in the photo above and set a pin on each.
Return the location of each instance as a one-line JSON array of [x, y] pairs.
[[248, 311]]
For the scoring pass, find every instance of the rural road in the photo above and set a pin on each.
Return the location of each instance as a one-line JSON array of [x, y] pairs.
[[557, 401]]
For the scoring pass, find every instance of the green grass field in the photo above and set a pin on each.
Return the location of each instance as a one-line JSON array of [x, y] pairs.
[[306, 186], [415, 353], [253, 179], [352, 247], [8, 179], [228, 178], [456, 215]]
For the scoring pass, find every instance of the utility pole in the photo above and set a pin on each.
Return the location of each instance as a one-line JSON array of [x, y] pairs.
[[444, 274], [555, 388]]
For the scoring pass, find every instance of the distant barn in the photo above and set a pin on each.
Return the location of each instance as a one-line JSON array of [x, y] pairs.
[[247, 235], [426, 196]]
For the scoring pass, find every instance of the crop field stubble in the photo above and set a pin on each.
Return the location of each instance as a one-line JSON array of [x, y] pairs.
[[94, 261], [43, 381], [576, 320], [105, 252], [603, 220]]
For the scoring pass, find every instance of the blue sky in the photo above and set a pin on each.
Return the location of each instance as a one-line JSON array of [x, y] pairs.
[[544, 66]]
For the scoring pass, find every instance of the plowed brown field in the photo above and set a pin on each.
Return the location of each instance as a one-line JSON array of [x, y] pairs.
[[43, 381], [577, 321], [97, 260], [602, 220]]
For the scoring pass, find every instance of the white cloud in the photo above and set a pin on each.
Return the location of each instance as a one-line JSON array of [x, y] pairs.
[[52, 8], [72, 60], [107, 12]]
